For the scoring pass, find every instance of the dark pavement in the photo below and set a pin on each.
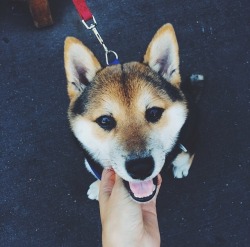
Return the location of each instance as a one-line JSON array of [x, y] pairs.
[[43, 182]]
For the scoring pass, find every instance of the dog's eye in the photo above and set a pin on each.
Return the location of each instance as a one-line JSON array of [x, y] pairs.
[[154, 114], [106, 122]]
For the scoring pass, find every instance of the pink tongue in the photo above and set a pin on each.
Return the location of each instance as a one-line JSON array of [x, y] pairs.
[[142, 189]]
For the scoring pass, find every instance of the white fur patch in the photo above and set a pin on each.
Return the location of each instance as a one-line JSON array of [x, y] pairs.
[[106, 152], [181, 165], [176, 116], [84, 131], [93, 192], [81, 58]]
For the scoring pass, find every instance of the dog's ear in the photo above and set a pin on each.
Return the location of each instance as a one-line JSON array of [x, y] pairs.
[[80, 65], [162, 54]]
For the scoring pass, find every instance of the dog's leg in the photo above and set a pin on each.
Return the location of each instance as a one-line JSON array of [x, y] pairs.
[[181, 165], [93, 192]]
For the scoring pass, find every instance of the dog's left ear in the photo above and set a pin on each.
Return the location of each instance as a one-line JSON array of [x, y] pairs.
[[80, 65], [162, 55]]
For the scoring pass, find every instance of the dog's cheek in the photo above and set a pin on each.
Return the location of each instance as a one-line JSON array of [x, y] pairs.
[[117, 160], [168, 130], [90, 137]]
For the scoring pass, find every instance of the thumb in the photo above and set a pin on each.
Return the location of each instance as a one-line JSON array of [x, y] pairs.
[[119, 190], [106, 185]]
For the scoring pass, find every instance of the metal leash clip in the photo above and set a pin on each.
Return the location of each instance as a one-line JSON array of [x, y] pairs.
[[108, 52]]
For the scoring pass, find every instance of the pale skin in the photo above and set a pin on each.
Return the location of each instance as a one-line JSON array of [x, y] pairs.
[[124, 221]]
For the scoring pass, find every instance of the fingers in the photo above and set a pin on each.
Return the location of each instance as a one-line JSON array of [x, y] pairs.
[[159, 182], [106, 185], [119, 190], [118, 183], [159, 179], [150, 213]]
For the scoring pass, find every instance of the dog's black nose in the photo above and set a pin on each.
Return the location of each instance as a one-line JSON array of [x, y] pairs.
[[140, 168]]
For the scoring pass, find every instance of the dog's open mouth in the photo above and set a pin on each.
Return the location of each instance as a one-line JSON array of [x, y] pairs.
[[142, 191]]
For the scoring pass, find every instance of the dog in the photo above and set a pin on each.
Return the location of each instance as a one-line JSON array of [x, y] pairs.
[[133, 117]]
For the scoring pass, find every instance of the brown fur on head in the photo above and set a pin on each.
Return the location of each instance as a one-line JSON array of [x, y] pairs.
[[129, 112]]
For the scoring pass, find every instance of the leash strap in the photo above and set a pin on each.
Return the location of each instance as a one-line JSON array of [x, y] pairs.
[[86, 15], [83, 9]]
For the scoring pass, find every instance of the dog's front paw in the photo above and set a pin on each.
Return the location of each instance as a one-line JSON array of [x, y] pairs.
[[181, 171], [93, 192], [181, 165]]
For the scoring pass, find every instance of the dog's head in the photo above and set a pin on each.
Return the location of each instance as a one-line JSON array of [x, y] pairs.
[[128, 116]]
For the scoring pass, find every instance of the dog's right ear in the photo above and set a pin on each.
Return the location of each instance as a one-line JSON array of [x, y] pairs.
[[80, 65], [162, 55]]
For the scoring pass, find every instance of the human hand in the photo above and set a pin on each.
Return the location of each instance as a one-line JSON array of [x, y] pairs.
[[126, 223]]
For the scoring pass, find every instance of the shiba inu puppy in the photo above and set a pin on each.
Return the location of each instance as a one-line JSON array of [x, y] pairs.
[[131, 117]]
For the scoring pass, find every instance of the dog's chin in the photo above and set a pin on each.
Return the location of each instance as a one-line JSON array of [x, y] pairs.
[[142, 191]]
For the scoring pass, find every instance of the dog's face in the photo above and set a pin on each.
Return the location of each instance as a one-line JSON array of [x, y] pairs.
[[128, 116]]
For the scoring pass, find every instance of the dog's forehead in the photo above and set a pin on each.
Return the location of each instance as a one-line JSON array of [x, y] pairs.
[[124, 89], [124, 79], [130, 83]]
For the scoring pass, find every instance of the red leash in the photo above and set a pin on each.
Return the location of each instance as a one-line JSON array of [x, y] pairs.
[[86, 15], [83, 10]]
